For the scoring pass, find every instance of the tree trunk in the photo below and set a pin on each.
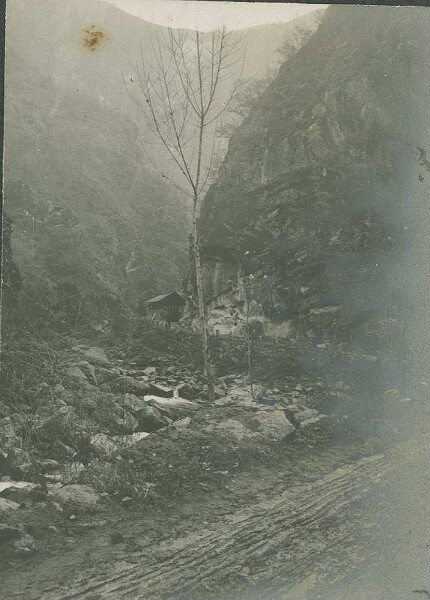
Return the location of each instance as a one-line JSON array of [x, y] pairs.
[[207, 357]]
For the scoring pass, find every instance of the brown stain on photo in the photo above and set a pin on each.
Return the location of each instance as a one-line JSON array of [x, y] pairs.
[[93, 38]]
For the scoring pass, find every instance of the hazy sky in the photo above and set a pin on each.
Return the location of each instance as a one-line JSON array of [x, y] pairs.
[[211, 15]]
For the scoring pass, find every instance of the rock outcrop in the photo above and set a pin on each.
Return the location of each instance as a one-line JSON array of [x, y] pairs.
[[319, 210]]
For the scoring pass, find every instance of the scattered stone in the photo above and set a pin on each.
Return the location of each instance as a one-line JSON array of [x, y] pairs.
[[76, 375], [104, 375], [182, 423], [96, 356], [218, 391], [174, 408], [105, 387], [133, 402], [111, 444], [242, 396], [151, 419], [303, 415], [58, 388], [49, 464], [266, 401], [6, 504], [149, 371], [313, 421], [128, 422], [291, 416], [129, 385], [272, 423], [188, 391], [161, 390], [54, 477], [76, 497], [12, 486], [88, 370]]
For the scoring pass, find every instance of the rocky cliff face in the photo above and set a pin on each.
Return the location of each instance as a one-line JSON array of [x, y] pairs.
[[320, 192]]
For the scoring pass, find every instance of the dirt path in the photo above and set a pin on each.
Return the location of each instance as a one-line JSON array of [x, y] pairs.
[[271, 546]]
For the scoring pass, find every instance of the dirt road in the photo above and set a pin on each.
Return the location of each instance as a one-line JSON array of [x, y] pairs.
[[316, 540]]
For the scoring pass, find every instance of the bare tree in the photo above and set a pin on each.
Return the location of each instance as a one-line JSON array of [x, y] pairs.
[[183, 91]]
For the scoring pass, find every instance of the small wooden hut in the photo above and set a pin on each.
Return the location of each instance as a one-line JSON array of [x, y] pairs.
[[166, 308]]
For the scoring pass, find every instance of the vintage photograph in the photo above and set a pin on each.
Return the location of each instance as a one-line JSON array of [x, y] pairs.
[[214, 301]]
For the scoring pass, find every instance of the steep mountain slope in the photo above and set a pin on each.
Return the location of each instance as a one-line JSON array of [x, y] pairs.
[[320, 189], [91, 226], [95, 226]]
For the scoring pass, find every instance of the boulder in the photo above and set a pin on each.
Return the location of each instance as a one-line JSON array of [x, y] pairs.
[[133, 402], [6, 504], [149, 371], [219, 392], [174, 408], [88, 370], [49, 464], [160, 390], [303, 415], [272, 423], [188, 391], [76, 497], [291, 416], [9, 487], [151, 419], [95, 356], [76, 375], [104, 375], [182, 423], [128, 385], [129, 423]]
